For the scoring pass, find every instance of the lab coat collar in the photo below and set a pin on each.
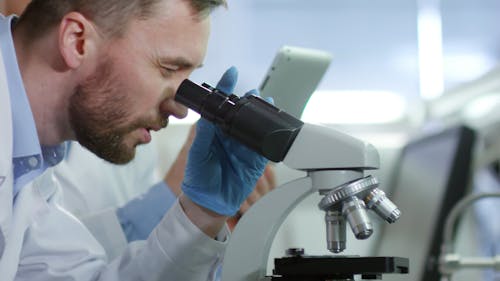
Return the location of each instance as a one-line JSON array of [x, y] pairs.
[[25, 136]]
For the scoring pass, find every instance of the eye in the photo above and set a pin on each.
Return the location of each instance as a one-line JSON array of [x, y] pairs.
[[168, 70]]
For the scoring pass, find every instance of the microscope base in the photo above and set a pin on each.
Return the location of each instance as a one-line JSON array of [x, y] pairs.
[[323, 268]]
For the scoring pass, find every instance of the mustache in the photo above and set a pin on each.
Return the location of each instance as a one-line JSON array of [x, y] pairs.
[[158, 123]]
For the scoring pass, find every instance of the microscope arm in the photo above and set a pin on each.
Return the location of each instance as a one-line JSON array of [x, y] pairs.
[[248, 249]]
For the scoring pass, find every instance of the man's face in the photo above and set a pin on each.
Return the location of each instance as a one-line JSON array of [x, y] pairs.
[[132, 90]]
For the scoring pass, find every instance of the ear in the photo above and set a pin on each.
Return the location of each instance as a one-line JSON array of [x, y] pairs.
[[77, 39]]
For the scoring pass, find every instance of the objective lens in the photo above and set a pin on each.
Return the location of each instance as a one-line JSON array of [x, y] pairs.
[[382, 206], [355, 212], [335, 231]]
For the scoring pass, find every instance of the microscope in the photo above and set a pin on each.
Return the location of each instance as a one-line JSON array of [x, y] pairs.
[[335, 164]]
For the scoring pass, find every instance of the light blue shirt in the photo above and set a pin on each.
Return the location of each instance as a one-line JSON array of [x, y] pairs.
[[28, 157], [141, 215]]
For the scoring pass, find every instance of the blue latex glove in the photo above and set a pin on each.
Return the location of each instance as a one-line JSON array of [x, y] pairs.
[[221, 172]]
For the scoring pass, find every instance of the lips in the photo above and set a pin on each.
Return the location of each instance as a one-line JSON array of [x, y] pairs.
[[147, 127], [146, 135]]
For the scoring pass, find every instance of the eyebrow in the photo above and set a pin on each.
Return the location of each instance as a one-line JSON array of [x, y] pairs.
[[180, 61]]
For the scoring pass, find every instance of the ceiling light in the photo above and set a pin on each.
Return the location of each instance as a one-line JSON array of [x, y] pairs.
[[354, 107]]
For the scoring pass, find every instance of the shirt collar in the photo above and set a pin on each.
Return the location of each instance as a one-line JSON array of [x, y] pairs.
[[25, 137]]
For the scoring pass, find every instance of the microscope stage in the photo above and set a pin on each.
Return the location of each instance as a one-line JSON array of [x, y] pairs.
[[319, 268]]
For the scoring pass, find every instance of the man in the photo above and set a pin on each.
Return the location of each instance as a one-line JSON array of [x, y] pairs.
[[105, 73], [94, 188]]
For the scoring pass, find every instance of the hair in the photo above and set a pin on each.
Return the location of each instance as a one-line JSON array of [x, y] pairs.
[[109, 16]]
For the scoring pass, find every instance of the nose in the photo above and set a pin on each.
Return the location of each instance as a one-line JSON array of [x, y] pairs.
[[171, 107]]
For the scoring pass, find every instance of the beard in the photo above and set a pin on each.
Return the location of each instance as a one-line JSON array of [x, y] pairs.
[[98, 116]]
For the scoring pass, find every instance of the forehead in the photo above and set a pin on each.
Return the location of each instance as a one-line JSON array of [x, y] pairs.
[[173, 31]]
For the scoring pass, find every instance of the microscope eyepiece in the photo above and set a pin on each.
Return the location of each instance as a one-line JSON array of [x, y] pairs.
[[250, 119]]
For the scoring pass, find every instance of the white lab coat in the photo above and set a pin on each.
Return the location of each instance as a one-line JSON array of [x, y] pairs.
[[92, 184], [42, 241], [93, 189]]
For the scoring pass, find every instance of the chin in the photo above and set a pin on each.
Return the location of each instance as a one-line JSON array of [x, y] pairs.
[[125, 154], [117, 154], [120, 157]]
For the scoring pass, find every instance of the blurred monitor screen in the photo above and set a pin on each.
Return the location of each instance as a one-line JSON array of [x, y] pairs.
[[431, 176]]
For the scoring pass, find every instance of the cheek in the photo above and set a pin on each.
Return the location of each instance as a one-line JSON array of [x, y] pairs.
[[145, 87], [142, 93], [145, 98], [135, 75]]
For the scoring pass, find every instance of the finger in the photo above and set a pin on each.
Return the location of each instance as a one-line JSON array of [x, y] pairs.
[[192, 132], [253, 197], [227, 82], [254, 92], [269, 100], [262, 186], [244, 207], [270, 176]]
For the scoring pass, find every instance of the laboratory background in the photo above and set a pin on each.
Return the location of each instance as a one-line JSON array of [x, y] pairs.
[[420, 80]]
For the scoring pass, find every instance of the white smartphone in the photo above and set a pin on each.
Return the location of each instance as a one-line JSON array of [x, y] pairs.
[[293, 76]]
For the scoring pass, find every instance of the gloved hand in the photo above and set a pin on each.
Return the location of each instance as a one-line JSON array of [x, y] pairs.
[[221, 172]]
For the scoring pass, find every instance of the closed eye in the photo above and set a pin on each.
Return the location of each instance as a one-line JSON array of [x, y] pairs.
[[167, 71], [169, 66]]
